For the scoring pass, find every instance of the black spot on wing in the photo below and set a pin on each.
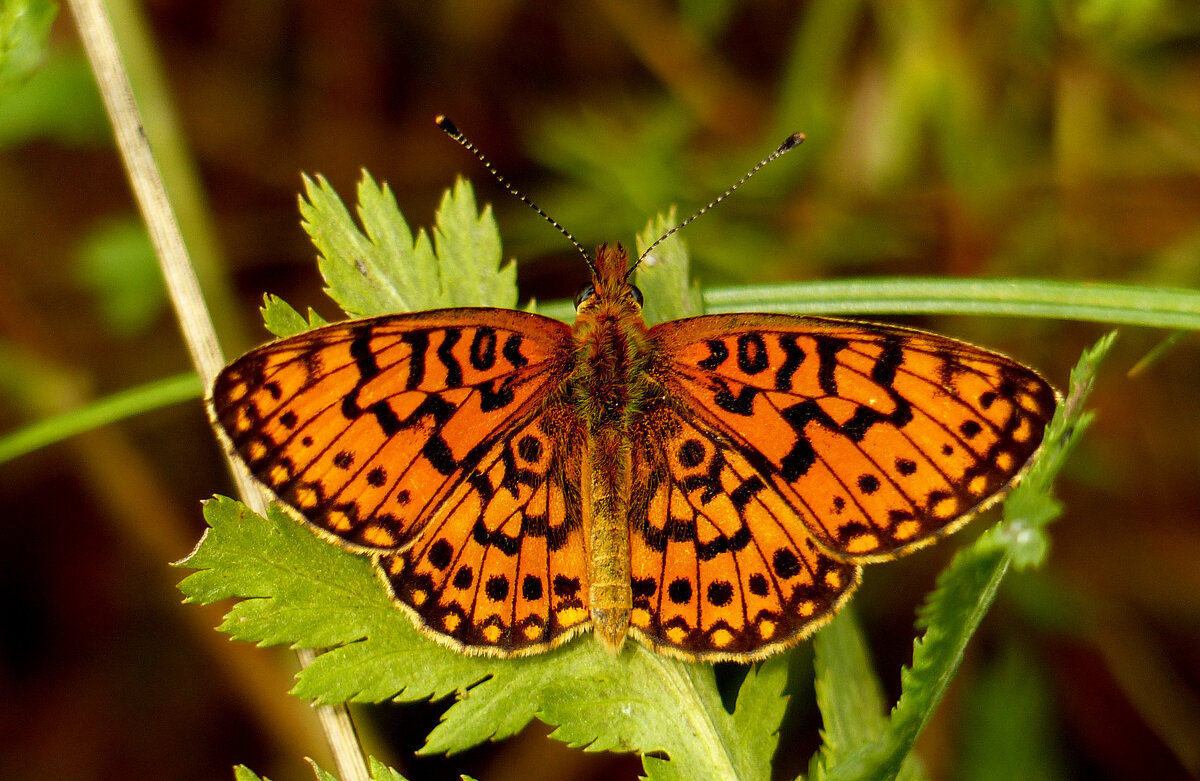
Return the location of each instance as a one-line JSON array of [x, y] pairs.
[[752, 355], [718, 353], [445, 354], [793, 357]]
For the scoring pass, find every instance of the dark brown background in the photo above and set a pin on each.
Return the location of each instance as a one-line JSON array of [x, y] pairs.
[[969, 139]]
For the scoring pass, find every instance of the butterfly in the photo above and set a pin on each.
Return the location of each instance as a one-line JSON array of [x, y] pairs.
[[709, 487]]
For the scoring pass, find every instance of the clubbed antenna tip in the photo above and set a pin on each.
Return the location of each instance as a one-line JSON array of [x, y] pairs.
[[789, 143], [450, 129]]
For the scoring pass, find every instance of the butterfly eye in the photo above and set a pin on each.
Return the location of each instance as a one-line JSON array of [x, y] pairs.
[[585, 292], [637, 294]]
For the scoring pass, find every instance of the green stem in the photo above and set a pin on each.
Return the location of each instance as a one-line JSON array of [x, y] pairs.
[[714, 760]]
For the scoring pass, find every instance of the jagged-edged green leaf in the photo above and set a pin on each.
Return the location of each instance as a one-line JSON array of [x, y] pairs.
[[664, 275], [470, 264], [381, 269], [282, 319]]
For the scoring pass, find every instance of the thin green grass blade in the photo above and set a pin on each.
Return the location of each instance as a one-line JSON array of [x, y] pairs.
[[1158, 307], [125, 404], [1154, 307]]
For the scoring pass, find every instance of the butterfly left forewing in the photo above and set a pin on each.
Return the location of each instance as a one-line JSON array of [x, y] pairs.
[[878, 438], [362, 428]]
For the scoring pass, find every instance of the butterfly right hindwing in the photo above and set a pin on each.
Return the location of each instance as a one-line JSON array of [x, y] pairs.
[[721, 567]]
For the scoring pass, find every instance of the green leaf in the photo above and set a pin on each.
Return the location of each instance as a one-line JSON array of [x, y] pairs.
[[283, 320], [24, 30], [759, 710], [664, 276], [297, 589], [469, 259], [243, 773], [382, 269], [966, 589]]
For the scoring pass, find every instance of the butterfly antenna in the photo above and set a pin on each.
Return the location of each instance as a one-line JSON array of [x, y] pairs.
[[450, 129], [790, 143]]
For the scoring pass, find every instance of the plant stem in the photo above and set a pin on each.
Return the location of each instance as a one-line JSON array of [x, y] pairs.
[[680, 678], [100, 44]]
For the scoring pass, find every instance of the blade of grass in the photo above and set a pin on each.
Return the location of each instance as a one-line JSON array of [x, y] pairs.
[[101, 412], [1155, 307], [1159, 307]]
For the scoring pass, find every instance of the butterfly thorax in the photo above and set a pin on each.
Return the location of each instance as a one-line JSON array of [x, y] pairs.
[[607, 386]]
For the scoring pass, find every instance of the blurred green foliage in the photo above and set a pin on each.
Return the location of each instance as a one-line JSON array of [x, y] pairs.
[[24, 27], [116, 262]]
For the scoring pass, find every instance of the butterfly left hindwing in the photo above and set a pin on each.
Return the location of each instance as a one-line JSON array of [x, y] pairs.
[[500, 565]]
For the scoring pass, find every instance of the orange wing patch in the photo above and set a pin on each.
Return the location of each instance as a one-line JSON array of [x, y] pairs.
[[721, 569], [363, 428], [502, 563], [880, 439]]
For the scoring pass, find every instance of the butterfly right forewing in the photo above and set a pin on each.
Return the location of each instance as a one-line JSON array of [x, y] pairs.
[[880, 438]]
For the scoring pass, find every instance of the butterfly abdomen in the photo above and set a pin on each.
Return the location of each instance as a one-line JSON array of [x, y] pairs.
[[607, 388]]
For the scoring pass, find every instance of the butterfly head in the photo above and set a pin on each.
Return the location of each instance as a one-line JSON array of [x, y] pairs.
[[610, 288]]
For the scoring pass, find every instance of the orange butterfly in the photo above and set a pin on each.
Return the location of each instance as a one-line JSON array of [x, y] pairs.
[[708, 486]]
